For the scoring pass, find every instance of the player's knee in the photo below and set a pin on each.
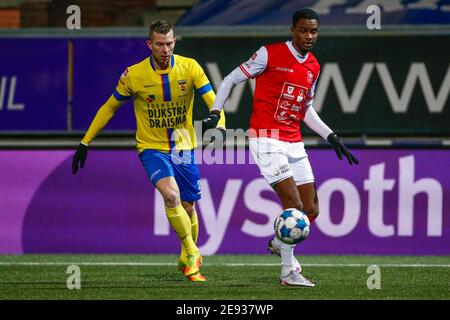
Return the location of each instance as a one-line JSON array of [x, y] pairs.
[[171, 198]]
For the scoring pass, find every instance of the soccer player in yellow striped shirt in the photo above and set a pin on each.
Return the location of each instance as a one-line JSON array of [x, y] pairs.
[[162, 88]]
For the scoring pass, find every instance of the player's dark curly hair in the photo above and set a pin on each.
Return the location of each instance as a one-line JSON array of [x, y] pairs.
[[304, 13], [160, 26]]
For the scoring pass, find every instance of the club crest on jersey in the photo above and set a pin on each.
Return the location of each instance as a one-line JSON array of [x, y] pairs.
[[309, 77], [150, 98], [182, 85], [254, 56]]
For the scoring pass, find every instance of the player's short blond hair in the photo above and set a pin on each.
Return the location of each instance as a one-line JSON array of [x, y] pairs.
[[161, 27]]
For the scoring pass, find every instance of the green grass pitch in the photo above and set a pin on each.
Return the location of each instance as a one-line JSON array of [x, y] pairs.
[[229, 277]]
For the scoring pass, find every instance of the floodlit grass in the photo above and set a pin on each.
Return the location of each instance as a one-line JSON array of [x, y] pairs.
[[229, 277]]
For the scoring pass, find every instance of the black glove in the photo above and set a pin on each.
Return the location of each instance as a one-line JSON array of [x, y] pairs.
[[79, 157], [211, 121], [341, 149]]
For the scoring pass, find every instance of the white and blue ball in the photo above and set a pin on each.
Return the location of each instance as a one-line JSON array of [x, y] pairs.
[[292, 226]]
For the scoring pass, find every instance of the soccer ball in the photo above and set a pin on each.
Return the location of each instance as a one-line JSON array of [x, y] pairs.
[[292, 226]]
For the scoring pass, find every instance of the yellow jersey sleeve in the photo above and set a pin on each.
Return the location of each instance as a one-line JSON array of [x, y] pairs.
[[124, 89], [121, 94], [104, 114], [202, 84]]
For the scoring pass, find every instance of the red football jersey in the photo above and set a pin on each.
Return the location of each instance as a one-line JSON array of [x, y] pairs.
[[282, 93]]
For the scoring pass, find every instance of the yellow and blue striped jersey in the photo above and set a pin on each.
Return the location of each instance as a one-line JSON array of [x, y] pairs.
[[163, 102]]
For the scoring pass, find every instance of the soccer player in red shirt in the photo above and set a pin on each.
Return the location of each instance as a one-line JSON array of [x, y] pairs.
[[286, 75]]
